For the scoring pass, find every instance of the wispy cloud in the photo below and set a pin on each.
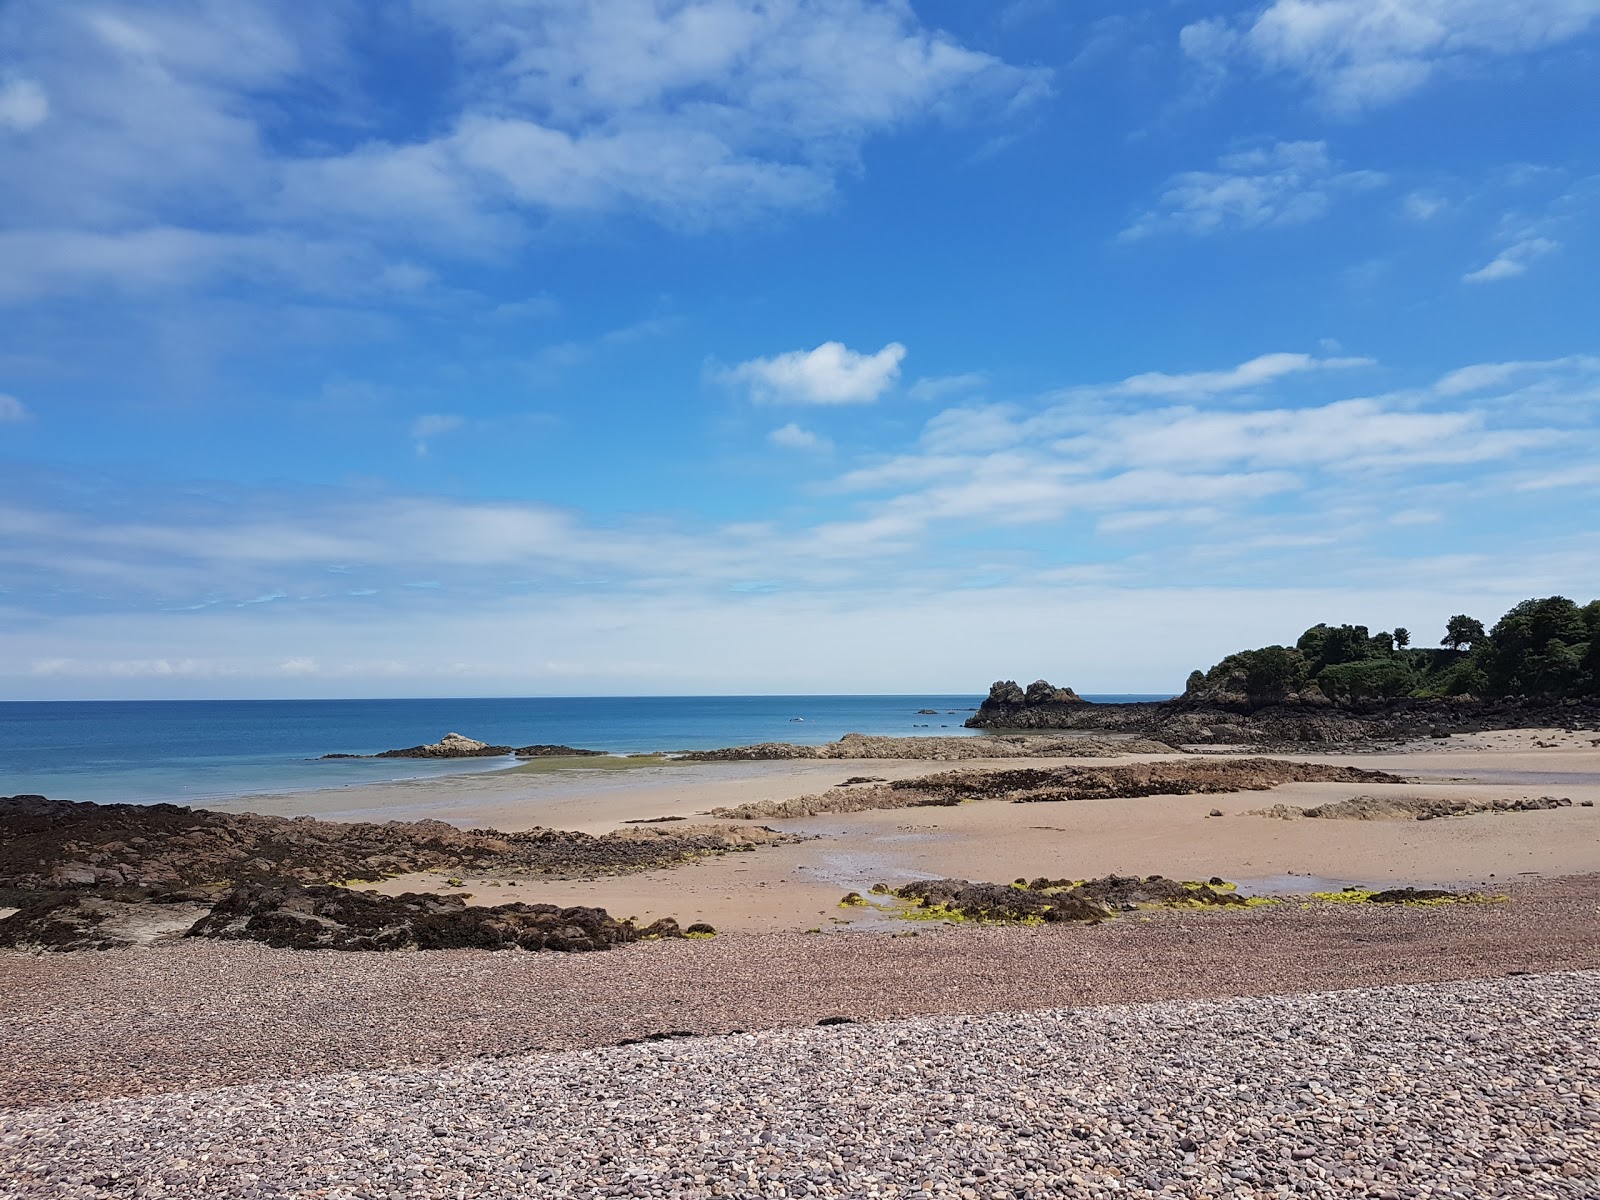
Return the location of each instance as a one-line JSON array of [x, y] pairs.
[[794, 437], [1217, 476], [1358, 55], [1258, 371], [934, 388], [431, 425], [12, 409], [1513, 260], [1288, 183], [830, 374]]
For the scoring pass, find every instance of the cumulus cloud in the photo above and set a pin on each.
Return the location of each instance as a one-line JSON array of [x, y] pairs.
[[830, 374], [1513, 260], [1288, 183], [694, 114], [12, 409], [793, 437], [1359, 55]]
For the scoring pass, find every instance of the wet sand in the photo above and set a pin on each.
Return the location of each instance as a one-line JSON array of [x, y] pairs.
[[798, 887]]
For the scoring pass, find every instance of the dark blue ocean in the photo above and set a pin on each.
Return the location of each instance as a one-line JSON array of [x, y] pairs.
[[187, 750]]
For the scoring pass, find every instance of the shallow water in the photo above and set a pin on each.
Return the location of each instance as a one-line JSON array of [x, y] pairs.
[[191, 750]]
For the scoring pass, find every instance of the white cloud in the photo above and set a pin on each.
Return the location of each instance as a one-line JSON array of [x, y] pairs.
[[1206, 476], [942, 387], [1423, 206], [431, 425], [1261, 370], [793, 437], [830, 374], [163, 123], [12, 409], [1580, 368], [23, 105], [1360, 54], [1288, 183], [1513, 260]]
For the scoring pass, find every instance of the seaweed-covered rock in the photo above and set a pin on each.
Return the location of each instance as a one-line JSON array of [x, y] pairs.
[[1000, 902], [1411, 895], [48, 845], [331, 918], [86, 921], [556, 752], [1054, 900]]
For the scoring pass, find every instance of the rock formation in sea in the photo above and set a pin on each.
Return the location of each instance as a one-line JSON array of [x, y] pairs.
[[457, 745]]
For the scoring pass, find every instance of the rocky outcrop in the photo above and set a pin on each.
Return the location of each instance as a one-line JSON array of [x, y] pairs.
[[1054, 900], [331, 918], [456, 745], [90, 921], [938, 749], [65, 845], [1405, 808], [1295, 719], [90, 876], [1032, 785], [451, 745]]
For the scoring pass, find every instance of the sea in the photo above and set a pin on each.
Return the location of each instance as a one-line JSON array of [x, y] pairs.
[[184, 751]]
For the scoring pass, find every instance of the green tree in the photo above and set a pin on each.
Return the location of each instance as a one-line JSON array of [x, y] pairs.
[[1402, 636], [1531, 648], [1461, 631]]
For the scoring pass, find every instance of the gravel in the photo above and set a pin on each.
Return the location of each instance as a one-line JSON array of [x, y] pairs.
[[196, 1014], [1489, 1088]]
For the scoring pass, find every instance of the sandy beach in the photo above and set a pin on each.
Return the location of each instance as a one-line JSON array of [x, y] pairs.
[[148, 1089], [796, 887]]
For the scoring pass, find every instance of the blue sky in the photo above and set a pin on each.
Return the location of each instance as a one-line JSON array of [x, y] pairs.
[[554, 347]]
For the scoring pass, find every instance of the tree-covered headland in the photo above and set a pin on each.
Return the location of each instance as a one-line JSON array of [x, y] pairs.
[[1547, 648]]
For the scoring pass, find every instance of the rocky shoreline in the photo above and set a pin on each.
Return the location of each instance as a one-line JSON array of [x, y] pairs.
[[1280, 722], [1038, 785], [95, 876]]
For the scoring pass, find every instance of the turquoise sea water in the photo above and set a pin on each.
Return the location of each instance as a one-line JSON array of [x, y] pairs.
[[187, 750]]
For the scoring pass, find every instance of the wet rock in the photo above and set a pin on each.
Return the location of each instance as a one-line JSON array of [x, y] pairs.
[[331, 918], [556, 752], [999, 902], [79, 921], [1411, 895], [51, 844], [1055, 900]]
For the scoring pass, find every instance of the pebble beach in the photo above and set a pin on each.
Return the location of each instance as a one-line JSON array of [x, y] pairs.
[[1488, 1088]]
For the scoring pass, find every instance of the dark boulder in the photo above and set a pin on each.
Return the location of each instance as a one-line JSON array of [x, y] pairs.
[[333, 918]]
